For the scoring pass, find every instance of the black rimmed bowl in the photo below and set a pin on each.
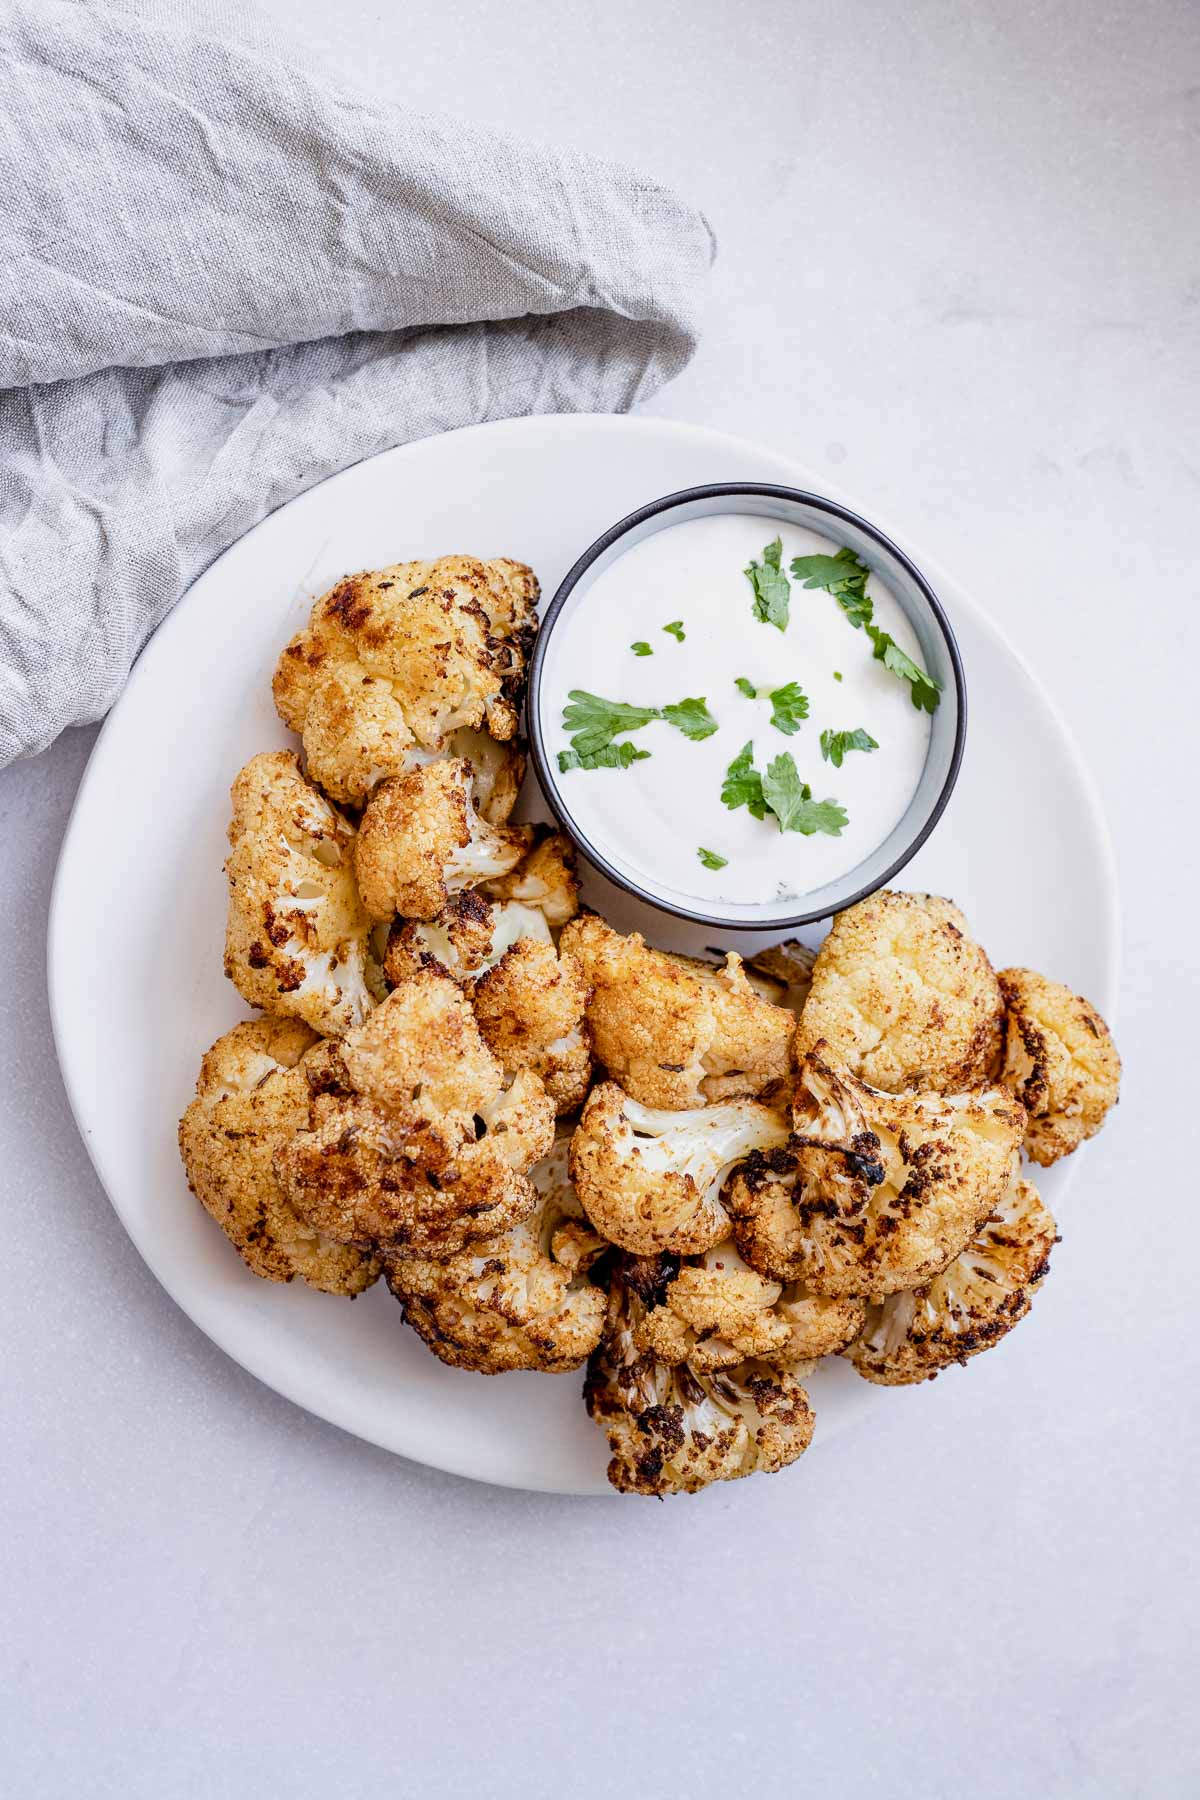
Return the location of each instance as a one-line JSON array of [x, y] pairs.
[[939, 653]]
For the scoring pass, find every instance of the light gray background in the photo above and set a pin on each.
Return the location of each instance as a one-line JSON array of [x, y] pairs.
[[959, 273]]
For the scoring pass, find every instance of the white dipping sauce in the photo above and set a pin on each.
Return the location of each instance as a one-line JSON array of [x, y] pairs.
[[652, 818]]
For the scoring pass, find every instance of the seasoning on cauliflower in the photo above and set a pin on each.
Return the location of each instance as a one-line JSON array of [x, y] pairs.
[[970, 1306], [252, 1095], [545, 879], [904, 996], [876, 1192], [1060, 1061], [519, 1301], [398, 659], [415, 1141], [468, 937], [422, 840], [673, 1430], [530, 1007], [651, 1180], [675, 1032], [297, 940], [713, 1311]]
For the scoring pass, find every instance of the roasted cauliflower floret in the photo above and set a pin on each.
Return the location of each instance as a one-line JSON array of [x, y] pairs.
[[672, 1031], [297, 940], [468, 937], [398, 659], [545, 879], [252, 1095], [519, 1301], [651, 1180], [904, 996], [714, 1311], [673, 1430], [422, 840], [970, 1306], [530, 1007], [876, 1192], [1059, 1060]]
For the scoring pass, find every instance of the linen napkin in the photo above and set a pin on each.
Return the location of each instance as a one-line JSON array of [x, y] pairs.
[[226, 274]]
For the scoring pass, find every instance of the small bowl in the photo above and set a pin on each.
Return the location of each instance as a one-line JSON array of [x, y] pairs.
[[939, 653]]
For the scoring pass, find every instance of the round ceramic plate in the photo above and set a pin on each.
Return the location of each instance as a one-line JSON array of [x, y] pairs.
[[137, 919]]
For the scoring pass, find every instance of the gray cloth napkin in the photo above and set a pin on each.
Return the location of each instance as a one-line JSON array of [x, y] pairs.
[[226, 274]]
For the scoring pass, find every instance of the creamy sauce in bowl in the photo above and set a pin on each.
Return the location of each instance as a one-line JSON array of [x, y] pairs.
[[675, 619]]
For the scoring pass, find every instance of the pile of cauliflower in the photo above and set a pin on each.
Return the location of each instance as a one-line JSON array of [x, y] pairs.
[[560, 1146]]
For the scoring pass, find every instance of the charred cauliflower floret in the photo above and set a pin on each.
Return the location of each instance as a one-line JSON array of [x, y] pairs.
[[519, 1301], [530, 1007], [875, 1192], [970, 1306], [673, 1430], [783, 974], [651, 1180], [468, 937], [252, 1095], [903, 995], [422, 840], [297, 940], [398, 659], [545, 879], [672, 1031], [1059, 1060], [714, 1311]]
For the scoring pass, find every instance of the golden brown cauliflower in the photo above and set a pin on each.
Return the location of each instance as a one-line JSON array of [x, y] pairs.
[[518, 1301], [1060, 1061], [713, 1311], [468, 937], [545, 879], [904, 996], [398, 659], [675, 1032], [673, 1430], [876, 1192], [650, 1180], [970, 1306], [297, 940], [252, 1095], [530, 1007], [422, 840]]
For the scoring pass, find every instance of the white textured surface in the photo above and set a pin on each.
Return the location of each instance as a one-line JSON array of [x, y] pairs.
[[959, 271]]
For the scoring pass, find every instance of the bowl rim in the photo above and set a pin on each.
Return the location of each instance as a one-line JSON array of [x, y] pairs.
[[547, 775]]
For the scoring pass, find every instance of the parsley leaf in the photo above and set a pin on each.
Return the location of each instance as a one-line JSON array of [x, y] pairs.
[[837, 674], [746, 687], [609, 756], [711, 860], [676, 630], [789, 705], [594, 722], [772, 594], [692, 717], [790, 799], [835, 744], [743, 784], [844, 577], [926, 690], [641, 648]]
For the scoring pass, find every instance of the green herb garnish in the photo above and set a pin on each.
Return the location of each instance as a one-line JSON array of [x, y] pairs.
[[843, 576], [789, 706], [692, 717], [835, 744], [742, 785], [641, 648], [711, 860], [593, 723], [790, 799], [772, 594], [610, 756], [676, 630], [837, 674], [746, 687], [926, 690]]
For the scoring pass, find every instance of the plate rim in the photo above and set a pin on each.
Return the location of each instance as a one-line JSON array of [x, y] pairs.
[[580, 424]]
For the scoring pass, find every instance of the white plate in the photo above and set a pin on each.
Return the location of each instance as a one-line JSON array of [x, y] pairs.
[[138, 912]]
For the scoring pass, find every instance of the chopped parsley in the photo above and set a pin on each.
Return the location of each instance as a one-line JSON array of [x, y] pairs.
[[641, 648], [835, 744], [692, 717], [711, 860], [772, 594], [742, 785], [781, 792], [675, 628], [593, 723], [926, 690], [610, 756], [837, 674], [789, 706], [843, 576], [746, 687]]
